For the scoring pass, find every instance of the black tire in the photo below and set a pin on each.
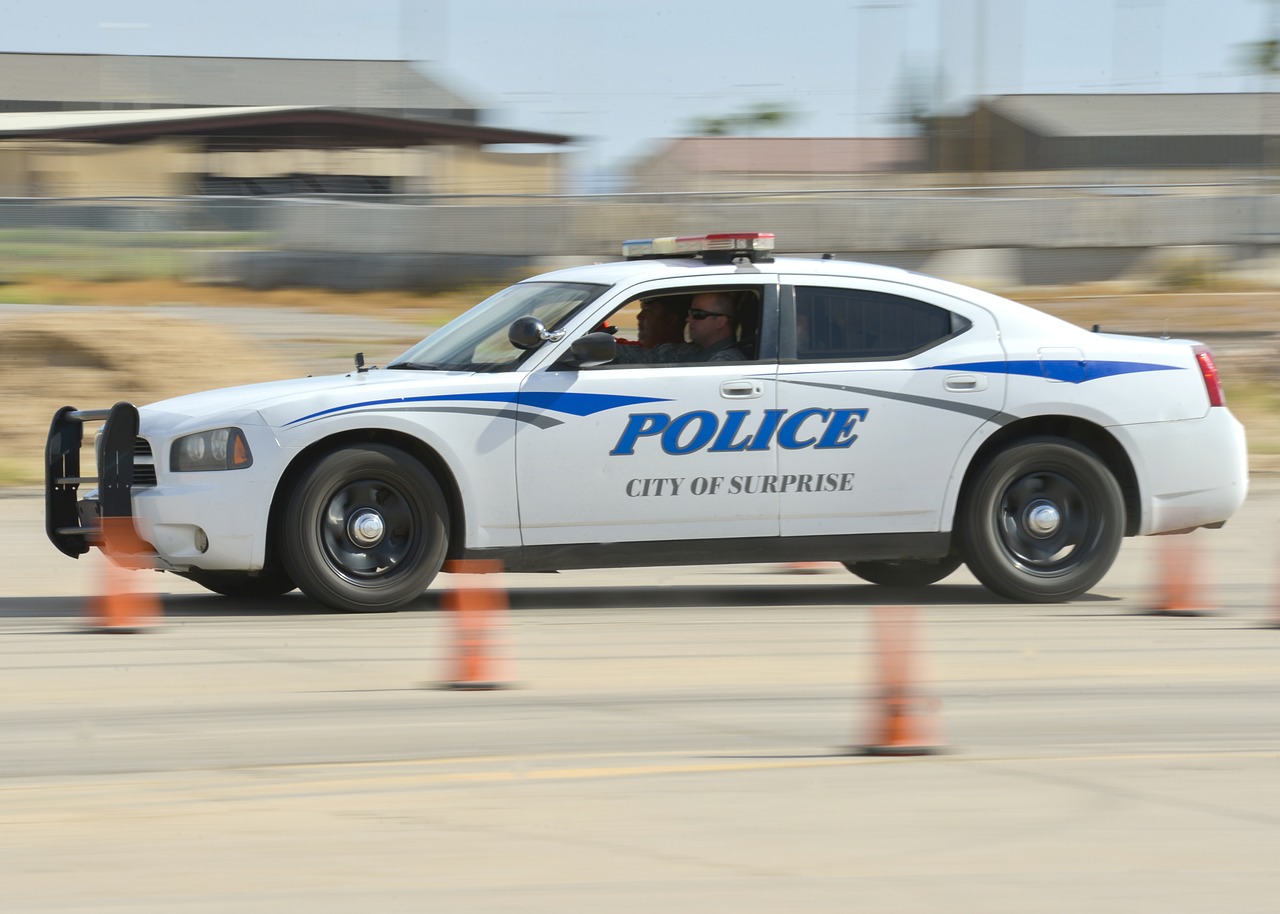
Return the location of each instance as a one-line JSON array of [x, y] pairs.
[[905, 573], [267, 585], [365, 529], [1042, 521]]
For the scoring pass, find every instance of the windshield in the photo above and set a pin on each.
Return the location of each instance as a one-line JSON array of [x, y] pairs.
[[477, 340]]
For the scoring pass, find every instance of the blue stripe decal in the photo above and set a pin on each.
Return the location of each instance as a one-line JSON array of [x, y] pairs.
[[581, 404], [557, 401], [1073, 371]]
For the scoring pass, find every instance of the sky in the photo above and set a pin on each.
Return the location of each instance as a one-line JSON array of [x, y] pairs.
[[620, 76]]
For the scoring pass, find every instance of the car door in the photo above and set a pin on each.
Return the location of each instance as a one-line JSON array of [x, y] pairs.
[[649, 452], [886, 421]]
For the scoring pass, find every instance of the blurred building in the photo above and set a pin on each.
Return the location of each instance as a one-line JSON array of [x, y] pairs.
[[707, 164], [106, 125], [1012, 133]]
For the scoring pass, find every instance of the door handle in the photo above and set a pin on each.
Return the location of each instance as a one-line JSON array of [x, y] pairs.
[[745, 389], [965, 383]]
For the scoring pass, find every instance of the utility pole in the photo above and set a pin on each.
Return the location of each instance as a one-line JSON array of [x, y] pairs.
[[1269, 119], [981, 117]]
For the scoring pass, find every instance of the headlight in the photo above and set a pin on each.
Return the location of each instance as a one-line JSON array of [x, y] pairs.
[[219, 449]]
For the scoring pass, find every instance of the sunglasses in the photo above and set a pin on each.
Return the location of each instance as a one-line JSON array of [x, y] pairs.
[[697, 314]]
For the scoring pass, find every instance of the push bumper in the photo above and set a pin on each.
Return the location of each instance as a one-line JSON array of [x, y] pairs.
[[74, 525]]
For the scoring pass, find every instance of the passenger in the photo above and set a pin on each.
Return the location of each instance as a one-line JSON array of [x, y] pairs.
[[661, 320], [713, 327]]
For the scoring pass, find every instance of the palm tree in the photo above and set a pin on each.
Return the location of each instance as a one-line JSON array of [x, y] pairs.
[[760, 116]]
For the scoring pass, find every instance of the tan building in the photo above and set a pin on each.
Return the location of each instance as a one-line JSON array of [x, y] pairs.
[[710, 164]]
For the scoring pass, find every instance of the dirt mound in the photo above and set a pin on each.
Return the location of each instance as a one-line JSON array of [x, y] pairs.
[[96, 360]]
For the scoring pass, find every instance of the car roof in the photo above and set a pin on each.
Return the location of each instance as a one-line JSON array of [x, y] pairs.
[[631, 271]]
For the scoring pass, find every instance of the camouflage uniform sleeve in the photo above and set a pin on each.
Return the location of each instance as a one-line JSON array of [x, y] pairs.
[[633, 355], [667, 353], [725, 350]]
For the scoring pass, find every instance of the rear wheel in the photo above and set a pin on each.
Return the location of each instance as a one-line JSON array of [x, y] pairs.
[[906, 573], [365, 529], [1042, 521]]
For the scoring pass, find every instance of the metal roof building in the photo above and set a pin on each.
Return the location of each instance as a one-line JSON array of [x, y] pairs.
[[1108, 130], [73, 82], [261, 127], [250, 126]]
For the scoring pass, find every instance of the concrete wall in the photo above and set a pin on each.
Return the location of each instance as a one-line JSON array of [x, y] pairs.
[[999, 243], [872, 224], [999, 238]]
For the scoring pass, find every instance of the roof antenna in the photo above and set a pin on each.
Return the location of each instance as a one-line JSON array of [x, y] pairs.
[[828, 256]]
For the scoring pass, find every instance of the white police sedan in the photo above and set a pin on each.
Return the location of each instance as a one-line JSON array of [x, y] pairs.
[[892, 421]]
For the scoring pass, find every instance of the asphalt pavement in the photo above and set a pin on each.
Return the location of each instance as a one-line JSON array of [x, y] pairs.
[[680, 739]]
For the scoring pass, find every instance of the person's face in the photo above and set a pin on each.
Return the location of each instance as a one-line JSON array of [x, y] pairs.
[[708, 323], [655, 324]]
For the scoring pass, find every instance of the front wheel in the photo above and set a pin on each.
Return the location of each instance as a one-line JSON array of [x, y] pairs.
[[1042, 521], [905, 573], [365, 529]]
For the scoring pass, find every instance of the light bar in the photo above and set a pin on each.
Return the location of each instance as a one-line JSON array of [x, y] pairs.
[[718, 248], [686, 246]]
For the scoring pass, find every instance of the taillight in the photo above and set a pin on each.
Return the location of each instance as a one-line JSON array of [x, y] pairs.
[[1209, 371]]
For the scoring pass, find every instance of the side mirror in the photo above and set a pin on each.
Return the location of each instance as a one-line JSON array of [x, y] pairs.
[[591, 350], [527, 332]]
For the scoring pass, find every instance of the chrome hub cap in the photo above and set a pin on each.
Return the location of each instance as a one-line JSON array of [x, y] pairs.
[[366, 527], [1042, 519]]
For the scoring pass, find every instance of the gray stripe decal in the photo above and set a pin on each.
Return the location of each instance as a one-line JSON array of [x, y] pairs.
[[981, 412], [506, 412]]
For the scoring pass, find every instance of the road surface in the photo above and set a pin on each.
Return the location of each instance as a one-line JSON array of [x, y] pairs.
[[675, 739]]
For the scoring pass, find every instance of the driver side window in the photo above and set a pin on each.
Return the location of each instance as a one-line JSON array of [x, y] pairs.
[[686, 326]]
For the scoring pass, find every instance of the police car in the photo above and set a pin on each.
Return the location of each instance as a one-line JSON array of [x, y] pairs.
[[897, 423]]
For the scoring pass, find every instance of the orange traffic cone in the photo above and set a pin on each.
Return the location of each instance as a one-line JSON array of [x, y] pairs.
[[807, 567], [476, 609], [1178, 592], [1274, 622], [902, 725], [118, 609]]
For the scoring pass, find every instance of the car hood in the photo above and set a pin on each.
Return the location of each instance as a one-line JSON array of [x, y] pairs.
[[272, 399]]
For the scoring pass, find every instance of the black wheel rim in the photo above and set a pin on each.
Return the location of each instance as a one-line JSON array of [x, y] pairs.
[[367, 530], [1045, 524]]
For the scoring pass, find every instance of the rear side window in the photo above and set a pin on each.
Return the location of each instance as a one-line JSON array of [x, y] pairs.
[[859, 324]]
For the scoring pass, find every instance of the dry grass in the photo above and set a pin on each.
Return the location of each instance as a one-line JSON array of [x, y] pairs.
[[432, 309], [1154, 312]]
